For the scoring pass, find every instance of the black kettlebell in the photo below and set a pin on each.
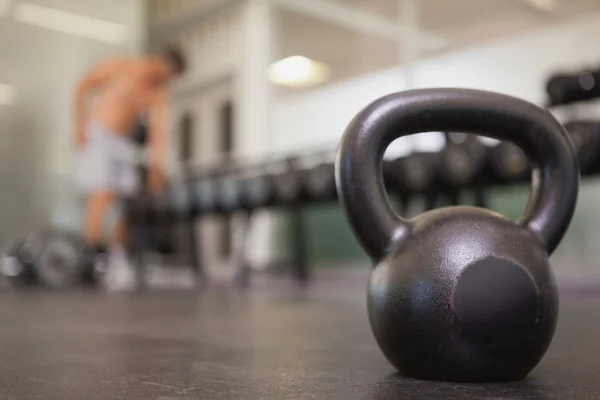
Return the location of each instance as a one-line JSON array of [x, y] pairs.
[[460, 293]]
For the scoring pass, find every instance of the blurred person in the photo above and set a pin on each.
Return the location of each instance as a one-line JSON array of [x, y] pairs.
[[110, 102]]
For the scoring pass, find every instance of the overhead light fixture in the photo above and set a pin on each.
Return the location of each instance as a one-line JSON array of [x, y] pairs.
[[69, 23], [298, 72], [7, 94]]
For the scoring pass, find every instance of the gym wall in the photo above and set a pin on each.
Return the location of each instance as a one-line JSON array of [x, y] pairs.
[[517, 65], [44, 66]]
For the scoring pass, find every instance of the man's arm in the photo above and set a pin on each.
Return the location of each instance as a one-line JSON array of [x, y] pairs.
[[94, 80]]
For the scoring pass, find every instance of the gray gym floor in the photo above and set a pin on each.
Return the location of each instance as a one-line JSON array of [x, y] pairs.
[[273, 341]]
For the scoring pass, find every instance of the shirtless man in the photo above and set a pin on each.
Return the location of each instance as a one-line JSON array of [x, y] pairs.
[[122, 89]]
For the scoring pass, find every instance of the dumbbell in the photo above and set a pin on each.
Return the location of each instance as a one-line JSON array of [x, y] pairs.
[[460, 294], [565, 89], [462, 163], [260, 187], [413, 175], [18, 259], [159, 224], [586, 139], [205, 194], [64, 261], [288, 183], [179, 199], [231, 190], [508, 164], [316, 173], [219, 189], [319, 182]]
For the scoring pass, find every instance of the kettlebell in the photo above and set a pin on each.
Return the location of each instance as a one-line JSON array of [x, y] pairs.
[[460, 293]]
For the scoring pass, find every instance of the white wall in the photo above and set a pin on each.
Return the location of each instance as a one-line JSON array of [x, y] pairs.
[[213, 62], [518, 66], [232, 48], [44, 66]]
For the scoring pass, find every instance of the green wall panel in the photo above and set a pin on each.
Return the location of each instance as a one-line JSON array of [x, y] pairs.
[[330, 239]]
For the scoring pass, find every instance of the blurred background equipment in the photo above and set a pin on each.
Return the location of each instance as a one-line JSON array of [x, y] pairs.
[[568, 89]]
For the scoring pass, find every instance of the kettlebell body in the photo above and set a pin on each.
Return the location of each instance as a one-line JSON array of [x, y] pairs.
[[460, 293], [466, 284]]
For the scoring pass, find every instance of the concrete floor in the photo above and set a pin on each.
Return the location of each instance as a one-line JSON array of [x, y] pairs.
[[271, 341]]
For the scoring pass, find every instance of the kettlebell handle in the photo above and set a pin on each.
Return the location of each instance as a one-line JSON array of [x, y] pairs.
[[359, 179]]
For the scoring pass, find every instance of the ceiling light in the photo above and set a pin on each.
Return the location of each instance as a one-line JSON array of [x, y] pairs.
[[298, 72], [69, 23], [7, 94]]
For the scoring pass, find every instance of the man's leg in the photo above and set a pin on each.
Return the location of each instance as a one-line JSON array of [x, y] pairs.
[[104, 224], [98, 203], [95, 181]]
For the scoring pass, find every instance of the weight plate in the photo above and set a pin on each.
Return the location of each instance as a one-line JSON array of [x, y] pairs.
[[61, 262]]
